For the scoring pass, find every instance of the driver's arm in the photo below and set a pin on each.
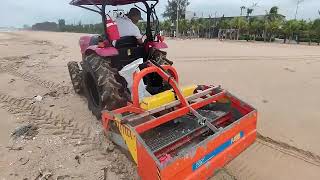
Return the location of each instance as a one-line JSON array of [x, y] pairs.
[[138, 36], [140, 41]]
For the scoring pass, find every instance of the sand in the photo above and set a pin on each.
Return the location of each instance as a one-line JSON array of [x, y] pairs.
[[281, 81]]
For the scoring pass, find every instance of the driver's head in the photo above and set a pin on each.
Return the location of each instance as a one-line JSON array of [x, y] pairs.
[[135, 15]]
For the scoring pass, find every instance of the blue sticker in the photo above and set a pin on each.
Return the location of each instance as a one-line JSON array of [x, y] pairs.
[[216, 151]]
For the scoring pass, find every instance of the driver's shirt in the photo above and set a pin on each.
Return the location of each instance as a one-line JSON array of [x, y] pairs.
[[127, 28]]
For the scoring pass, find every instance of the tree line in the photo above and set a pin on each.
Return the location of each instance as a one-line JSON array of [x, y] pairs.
[[247, 27], [61, 26], [252, 28]]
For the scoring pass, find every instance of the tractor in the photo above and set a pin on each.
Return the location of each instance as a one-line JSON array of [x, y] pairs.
[[174, 133]]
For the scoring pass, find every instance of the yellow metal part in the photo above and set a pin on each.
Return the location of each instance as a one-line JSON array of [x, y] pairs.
[[130, 139], [163, 98]]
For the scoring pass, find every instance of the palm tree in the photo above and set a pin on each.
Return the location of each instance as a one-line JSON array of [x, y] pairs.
[[273, 22], [307, 30], [184, 26], [239, 23], [241, 9], [274, 11], [289, 29], [194, 27], [316, 29], [166, 26], [255, 27], [273, 27], [249, 12]]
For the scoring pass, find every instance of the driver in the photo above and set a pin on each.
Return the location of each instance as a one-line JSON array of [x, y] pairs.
[[127, 25]]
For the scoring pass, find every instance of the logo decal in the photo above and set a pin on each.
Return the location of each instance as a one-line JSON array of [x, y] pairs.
[[217, 151]]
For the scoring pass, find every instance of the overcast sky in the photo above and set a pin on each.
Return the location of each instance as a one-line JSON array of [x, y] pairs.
[[19, 12]]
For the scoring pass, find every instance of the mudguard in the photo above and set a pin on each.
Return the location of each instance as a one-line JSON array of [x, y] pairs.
[[87, 48], [103, 52], [157, 45]]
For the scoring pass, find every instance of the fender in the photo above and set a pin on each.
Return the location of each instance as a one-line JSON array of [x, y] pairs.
[[84, 43], [157, 45], [86, 49], [104, 52]]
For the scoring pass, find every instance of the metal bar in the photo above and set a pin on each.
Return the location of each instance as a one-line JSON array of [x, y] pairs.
[[140, 8], [170, 105], [204, 121], [175, 114], [148, 29], [88, 9], [154, 69], [191, 132], [103, 14], [95, 5]]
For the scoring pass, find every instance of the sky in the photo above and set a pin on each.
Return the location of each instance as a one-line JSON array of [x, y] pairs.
[[16, 13]]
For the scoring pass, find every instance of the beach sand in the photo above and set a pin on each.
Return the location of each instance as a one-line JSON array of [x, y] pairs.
[[281, 81]]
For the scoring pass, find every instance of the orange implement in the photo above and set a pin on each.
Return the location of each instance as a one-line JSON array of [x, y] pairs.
[[170, 142]]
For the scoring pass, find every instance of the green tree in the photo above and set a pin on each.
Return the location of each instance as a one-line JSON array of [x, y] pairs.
[[274, 10], [241, 9], [171, 9], [308, 31], [166, 26], [224, 24], [289, 28], [62, 25], [256, 26], [249, 12], [273, 21], [184, 26], [240, 24], [273, 27], [316, 30], [195, 27]]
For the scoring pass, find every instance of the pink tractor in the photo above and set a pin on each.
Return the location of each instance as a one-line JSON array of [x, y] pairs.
[[103, 56]]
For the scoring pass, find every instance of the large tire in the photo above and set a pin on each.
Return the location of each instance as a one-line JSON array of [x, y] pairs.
[[103, 86], [76, 76]]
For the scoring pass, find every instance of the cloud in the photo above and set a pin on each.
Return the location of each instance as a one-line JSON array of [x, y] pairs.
[[19, 12]]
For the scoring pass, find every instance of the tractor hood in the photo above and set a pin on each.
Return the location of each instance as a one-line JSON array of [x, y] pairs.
[[108, 2]]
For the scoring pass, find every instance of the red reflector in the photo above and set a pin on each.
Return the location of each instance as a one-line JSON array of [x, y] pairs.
[[101, 45], [161, 38]]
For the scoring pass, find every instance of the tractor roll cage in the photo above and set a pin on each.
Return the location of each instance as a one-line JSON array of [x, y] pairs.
[[100, 6]]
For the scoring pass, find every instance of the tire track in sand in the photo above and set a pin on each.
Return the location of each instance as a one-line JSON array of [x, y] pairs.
[[13, 69], [268, 153], [287, 149], [80, 136], [246, 58], [54, 124]]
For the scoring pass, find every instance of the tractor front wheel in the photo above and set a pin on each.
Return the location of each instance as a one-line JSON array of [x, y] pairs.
[[103, 86]]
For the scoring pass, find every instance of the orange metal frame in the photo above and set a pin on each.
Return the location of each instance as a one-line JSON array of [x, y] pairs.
[[197, 164]]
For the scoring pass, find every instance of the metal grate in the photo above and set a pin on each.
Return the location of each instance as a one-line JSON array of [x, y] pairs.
[[168, 133]]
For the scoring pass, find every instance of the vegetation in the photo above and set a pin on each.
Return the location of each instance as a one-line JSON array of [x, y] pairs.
[[171, 9], [248, 27], [267, 28]]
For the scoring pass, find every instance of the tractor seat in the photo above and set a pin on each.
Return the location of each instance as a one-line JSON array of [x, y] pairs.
[[126, 42], [129, 51]]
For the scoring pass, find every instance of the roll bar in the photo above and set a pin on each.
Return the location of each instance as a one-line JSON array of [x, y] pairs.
[[100, 6]]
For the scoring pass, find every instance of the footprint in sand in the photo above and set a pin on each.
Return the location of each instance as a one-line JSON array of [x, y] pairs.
[[290, 70]]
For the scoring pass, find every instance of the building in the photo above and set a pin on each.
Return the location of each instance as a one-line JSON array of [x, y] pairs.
[[260, 17], [190, 15]]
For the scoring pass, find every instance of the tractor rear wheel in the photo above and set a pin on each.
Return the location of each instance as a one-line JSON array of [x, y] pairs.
[[103, 86], [76, 76]]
